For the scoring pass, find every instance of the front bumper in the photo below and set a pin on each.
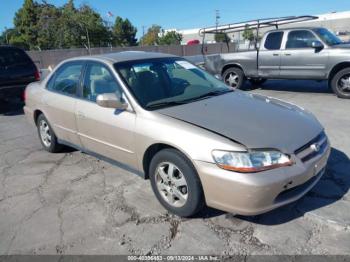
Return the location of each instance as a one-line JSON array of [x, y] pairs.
[[256, 193]]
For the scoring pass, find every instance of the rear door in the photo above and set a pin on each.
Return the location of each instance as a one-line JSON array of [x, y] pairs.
[[300, 60], [60, 101], [270, 55], [105, 131]]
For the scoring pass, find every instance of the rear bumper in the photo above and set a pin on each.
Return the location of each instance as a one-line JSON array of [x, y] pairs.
[[28, 112], [252, 194]]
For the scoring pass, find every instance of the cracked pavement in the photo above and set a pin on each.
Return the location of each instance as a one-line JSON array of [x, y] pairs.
[[72, 203]]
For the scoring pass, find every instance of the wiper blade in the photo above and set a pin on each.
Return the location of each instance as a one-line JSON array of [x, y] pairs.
[[161, 104], [210, 94]]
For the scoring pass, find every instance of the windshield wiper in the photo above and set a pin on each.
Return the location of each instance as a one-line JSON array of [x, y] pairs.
[[162, 104], [209, 94]]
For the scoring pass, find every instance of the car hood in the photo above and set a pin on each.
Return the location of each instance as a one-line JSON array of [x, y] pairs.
[[252, 120]]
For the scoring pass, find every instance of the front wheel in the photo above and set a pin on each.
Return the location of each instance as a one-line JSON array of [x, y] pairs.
[[340, 83], [234, 77], [175, 183]]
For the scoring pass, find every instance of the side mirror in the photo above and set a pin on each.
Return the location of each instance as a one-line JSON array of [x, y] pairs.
[[317, 45], [111, 100]]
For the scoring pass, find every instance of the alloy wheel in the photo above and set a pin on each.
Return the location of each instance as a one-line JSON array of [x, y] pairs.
[[45, 133], [344, 84], [171, 184], [232, 79]]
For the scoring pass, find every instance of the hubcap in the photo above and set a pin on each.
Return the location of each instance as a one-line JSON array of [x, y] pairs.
[[45, 133], [344, 83], [171, 184], [232, 79]]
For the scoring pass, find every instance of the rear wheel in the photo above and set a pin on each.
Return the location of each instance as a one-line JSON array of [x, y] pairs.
[[234, 77], [47, 137], [175, 183], [340, 83]]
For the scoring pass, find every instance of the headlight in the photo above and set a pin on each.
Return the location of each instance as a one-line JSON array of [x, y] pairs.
[[248, 162]]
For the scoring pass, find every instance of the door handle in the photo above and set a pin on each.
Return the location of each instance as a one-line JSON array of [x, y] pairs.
[[288, 54], [80, 114], [275, 54]]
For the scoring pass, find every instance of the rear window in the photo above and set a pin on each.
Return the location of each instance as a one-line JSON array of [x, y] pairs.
[[13, 57], [273, 41]]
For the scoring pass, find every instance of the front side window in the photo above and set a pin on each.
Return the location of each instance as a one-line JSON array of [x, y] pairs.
[[300, 39], [273, 41], [327, 37], [98, 80], [164, 82], [66, 79]]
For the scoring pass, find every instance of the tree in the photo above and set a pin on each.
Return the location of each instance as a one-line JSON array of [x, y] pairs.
[[152, 36], [49, 33], [170, 38], [25, 22], [248, 34], [91, 27], [124, 32], [222, 38]]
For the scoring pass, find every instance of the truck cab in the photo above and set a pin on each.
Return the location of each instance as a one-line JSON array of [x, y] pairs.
[[307, 53]]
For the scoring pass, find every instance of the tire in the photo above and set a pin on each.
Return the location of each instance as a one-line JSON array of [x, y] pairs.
[[49, 142], [234, 77], [340, 83], [257, 81], [184, 199]]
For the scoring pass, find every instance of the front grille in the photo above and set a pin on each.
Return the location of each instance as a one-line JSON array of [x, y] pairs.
[[315, 147]]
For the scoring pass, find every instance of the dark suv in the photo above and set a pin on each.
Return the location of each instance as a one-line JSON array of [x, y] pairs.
[[17, 70]]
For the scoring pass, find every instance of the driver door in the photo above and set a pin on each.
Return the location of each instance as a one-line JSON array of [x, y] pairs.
[[300, 60], [105, 131]]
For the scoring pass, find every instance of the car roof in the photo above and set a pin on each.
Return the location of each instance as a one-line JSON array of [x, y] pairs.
[[10, 47], [123, 56]]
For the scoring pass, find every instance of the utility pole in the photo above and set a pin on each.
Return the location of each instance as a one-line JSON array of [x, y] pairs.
[[6, 32], [217, 17], [143, 34]]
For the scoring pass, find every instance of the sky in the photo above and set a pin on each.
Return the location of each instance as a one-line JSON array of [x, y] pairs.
[[187, 14]]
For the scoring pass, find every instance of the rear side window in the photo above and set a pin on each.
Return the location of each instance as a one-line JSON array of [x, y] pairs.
[[10, 57], [66, 79], [300, 39], [273, 41]]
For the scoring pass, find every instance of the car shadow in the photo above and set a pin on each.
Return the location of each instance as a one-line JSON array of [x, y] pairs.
[[331, 188], [11, 107], [298, 86]]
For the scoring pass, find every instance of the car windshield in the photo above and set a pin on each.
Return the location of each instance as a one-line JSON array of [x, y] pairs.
[[327, 37], [164, 82]]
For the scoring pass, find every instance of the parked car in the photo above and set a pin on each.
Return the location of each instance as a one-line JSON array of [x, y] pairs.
[[312, 53], [17, 70], [196, 139]]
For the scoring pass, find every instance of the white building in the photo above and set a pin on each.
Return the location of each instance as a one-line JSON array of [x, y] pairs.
[[338, 22]]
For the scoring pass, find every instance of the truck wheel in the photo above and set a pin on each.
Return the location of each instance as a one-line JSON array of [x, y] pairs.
[[257, 81], [175, 183], [340, 83], [234, 77], [47, 137]]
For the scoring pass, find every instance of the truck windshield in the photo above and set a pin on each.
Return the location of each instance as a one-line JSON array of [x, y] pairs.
[[328, 37], [164, 82]]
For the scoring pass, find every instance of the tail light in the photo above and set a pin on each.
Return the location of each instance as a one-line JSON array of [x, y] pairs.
[[37, 75]]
